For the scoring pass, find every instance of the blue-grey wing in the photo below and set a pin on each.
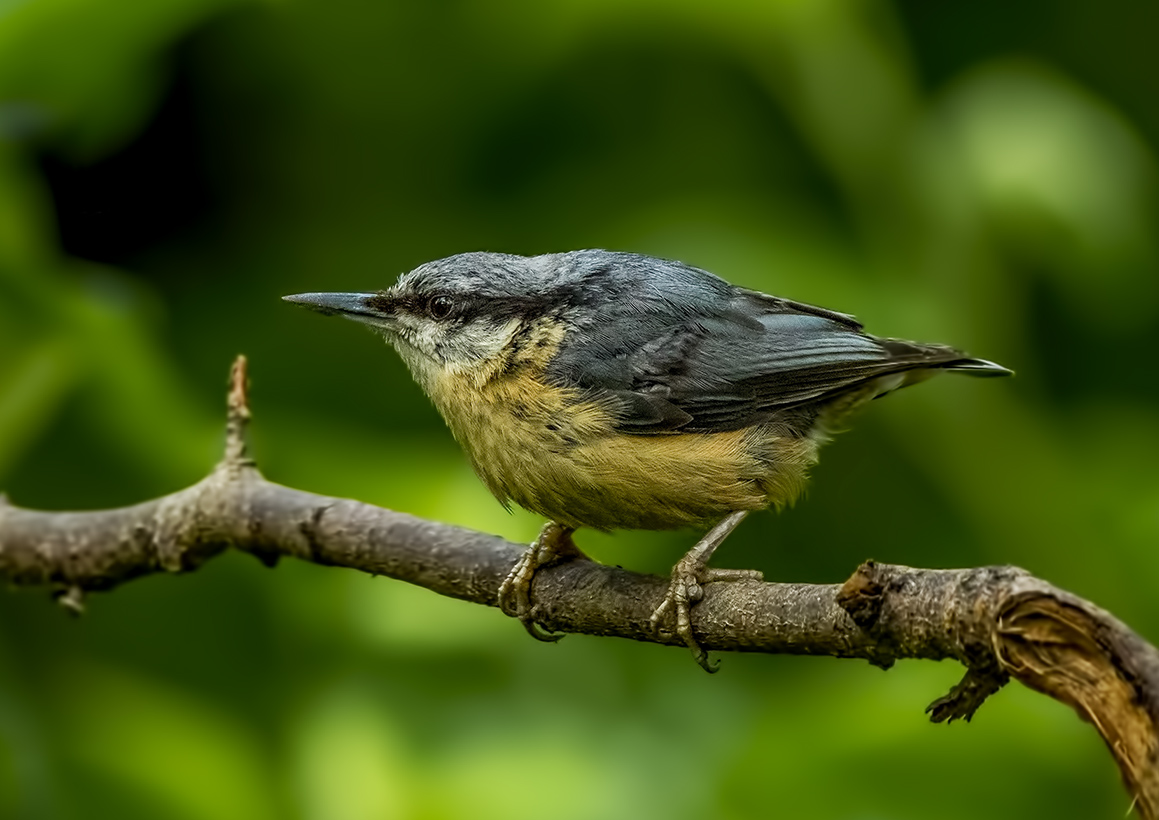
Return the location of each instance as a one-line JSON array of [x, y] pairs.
[[745, 360]]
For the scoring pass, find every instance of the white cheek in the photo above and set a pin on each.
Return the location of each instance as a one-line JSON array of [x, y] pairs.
[[420, 363], [430, 349], [428, 338], [480, 341]]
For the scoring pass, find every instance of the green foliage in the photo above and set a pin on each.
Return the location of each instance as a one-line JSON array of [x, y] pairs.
[[942, 177]]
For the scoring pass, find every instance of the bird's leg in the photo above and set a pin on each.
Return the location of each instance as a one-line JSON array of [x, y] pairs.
[[689, 576], [554, 544]]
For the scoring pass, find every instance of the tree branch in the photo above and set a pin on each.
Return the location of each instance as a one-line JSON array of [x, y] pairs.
[[999, 622]]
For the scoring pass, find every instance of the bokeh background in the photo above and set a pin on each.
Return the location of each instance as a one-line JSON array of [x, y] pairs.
[[982, 174]]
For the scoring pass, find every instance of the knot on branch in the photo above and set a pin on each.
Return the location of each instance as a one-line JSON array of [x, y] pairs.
[[861, 596]]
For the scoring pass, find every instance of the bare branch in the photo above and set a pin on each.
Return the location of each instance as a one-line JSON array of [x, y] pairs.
[[999, 622]]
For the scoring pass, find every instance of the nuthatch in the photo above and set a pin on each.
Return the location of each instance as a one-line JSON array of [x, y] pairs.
[[620, 391]]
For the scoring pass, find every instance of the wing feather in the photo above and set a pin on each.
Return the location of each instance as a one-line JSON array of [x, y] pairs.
[[755, 357]]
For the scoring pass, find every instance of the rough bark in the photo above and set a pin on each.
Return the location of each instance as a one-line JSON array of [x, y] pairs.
[[1001, 623]]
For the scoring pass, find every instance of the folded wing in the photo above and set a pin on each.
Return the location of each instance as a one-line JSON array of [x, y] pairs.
[[756, 359]]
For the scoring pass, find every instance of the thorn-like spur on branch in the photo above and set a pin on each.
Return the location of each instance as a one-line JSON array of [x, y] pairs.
[[238, 414], [1000, 622]]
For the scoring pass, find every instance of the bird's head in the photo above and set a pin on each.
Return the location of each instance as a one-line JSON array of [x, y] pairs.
[[453, 313]]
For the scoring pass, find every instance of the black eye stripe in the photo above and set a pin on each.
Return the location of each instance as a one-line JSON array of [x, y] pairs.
[[465, 308]]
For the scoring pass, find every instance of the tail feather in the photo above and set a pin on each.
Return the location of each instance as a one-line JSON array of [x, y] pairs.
[[977, 367], [940, 357], [910, 363]]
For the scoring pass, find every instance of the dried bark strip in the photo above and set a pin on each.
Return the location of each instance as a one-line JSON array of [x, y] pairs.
[[999, 622]]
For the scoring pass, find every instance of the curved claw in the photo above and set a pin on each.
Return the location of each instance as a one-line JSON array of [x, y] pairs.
[[536, 630]]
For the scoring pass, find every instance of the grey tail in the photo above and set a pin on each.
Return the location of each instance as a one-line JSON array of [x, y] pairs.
[[939, 357], [976, 367]]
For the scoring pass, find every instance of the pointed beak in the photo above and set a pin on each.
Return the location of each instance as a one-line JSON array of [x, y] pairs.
[[363, 307]]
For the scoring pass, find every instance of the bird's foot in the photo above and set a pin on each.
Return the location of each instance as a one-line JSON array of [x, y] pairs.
[[689, 577], [553, 545]]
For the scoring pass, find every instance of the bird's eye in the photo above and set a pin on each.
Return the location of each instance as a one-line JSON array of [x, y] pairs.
[[440, 307]]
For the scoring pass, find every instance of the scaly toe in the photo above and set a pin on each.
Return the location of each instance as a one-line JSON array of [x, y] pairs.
[[673, 616], [515, 591], [553, 544], [660, 614]]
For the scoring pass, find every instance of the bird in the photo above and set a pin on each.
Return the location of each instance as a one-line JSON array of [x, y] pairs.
[[615, 390]]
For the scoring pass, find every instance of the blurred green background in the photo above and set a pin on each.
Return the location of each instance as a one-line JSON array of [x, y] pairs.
[[981, 174]]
